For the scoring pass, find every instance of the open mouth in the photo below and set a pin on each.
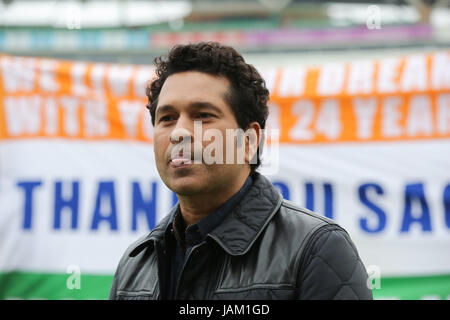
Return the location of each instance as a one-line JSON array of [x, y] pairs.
[[178, 159], [180, 162]]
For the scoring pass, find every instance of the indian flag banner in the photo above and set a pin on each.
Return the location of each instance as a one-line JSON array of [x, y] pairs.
[[366, 143]]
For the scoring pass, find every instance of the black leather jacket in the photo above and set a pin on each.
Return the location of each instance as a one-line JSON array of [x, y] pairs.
[[266, 248]]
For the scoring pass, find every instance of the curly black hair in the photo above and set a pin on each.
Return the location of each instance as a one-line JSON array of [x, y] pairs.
[[247, 96]]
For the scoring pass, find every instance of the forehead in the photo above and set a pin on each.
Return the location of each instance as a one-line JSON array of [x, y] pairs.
[[192, 86]]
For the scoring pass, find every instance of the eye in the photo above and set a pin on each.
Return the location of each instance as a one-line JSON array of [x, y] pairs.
[[166, 118], [204, 115]]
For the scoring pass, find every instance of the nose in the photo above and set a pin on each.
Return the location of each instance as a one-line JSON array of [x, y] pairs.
[[183, 131]]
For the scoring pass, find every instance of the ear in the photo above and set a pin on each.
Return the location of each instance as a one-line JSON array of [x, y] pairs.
[[252, 139]]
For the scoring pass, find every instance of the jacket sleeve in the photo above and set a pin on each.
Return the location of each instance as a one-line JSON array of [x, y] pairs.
[[333, 270], [113, 290], [118, 275], [114, 285]]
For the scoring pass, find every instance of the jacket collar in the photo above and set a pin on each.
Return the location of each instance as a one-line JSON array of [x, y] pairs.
[[155, 235], [242, 226]]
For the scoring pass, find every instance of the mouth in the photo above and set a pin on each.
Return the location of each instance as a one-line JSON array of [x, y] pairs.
[[180, 162], [180, 158]]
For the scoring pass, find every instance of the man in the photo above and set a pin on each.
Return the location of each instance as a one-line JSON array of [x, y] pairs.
[[231, 235]]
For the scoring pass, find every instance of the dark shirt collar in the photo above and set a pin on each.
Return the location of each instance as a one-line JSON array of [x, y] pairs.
[[197, 232]]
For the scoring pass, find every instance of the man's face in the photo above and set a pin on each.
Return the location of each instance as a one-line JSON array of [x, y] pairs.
[[187, 98]]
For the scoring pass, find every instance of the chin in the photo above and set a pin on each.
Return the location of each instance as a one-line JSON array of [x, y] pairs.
[[186, 187]]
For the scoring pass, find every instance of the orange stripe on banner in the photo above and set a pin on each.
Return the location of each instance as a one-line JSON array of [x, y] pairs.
[[370, 118], [391, 99]]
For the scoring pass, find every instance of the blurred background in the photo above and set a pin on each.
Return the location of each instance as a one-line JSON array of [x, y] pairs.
[[71, 204], [134, 31]]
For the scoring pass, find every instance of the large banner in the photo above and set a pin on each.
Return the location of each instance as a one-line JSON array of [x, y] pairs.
[[365, 143]]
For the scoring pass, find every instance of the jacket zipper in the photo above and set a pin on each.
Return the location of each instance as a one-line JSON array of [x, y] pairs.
[[182, 269], [161, 258]]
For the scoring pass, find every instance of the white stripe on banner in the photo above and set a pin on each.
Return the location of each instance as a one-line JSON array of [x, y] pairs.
[[82, 203]]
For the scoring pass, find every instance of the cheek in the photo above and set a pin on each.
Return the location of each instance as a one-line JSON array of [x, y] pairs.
[[160, 144]]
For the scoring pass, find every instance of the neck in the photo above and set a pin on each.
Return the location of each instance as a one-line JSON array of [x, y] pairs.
[[196, 207]]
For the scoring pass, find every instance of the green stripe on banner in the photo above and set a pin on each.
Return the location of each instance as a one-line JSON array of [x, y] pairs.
[[29, 285], [413, 288]]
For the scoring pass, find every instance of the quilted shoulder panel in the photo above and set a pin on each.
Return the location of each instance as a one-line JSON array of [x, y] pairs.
[[334, 270]]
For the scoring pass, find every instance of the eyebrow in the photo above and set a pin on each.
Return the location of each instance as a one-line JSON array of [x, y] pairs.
[[163, 109], [198, 105]]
